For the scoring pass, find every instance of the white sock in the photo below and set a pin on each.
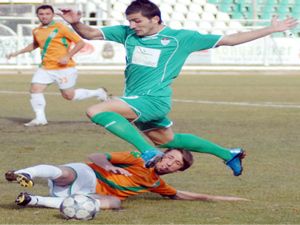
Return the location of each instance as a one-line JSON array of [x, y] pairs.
[[42, 171], [34, 200], [38, 104], [53, 202], [81, 94], [50, 202]]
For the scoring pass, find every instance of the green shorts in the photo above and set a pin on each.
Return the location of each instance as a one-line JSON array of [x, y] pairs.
[[151, 111]]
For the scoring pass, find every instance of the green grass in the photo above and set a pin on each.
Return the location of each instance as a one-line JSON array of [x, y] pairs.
[[269, 134]]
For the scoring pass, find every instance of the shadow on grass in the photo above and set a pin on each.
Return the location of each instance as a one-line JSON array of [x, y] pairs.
[[10, 206], [16, 120], [59, 216], [148, 196]]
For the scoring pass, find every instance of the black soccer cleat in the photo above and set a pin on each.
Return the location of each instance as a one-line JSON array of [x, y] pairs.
[[23, 179], [23, 199]]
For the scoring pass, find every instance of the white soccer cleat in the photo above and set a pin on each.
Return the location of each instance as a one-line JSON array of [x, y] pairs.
[[103, 95], [35, 123]]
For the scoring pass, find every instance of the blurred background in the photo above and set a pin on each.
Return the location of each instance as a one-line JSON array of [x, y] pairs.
[[17, 19]]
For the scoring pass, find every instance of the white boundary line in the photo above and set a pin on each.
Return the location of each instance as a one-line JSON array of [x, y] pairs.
[[25, 93], [247, 104], [187, 70]]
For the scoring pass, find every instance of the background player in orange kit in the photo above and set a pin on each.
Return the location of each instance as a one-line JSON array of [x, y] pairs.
[[54, 40]]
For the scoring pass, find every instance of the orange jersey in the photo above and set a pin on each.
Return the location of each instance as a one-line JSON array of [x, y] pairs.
[[54, 41], [142, 179]]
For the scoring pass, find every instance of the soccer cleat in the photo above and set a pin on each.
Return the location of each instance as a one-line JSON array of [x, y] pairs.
[[103, 94], [23, 199], [23, 179], [151, 157], [35, 123], [235, 163]]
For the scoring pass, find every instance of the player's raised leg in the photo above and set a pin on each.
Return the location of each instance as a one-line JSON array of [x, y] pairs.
[[113, 116], [81, 94], [165, 138], [66, 80]]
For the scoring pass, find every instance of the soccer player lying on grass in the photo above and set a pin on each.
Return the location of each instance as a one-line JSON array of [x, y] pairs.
[[109, 178]]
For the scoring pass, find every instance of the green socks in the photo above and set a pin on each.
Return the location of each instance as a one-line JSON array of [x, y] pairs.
[[194, 143], [121, 127]]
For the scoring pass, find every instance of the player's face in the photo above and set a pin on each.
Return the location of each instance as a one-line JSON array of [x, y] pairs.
[[45, 16], [142, 25], [171, 162]]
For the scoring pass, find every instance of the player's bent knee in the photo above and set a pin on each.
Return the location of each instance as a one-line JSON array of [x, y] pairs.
[[67, 177], [89, 113], [92, 111], [68, 96], [160, 136], [35, 91], [36, 88]]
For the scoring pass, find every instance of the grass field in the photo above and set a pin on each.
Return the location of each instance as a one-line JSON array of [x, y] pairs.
[[258, 113]]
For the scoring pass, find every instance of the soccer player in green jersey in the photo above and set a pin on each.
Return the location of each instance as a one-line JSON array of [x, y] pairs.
[[155, 54]]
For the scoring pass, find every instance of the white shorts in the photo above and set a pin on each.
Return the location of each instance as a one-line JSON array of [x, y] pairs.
[[84, 183], [65, 78]]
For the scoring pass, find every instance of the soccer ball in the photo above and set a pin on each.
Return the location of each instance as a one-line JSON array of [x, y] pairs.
[[79, 207]]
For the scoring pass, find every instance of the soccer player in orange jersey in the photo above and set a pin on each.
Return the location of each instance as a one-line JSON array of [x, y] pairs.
[[54, 40], [109, 178]]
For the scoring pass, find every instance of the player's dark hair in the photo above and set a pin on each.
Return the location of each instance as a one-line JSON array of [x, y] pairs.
[[44, 7], [187, 157], [145, 7]]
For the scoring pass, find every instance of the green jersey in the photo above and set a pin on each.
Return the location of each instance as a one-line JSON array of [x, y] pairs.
[[153, 62]]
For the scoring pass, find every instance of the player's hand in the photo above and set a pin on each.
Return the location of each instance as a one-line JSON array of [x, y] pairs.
[[283, 25], [64, 60], [117, 170], [9, 56], [69, 15]]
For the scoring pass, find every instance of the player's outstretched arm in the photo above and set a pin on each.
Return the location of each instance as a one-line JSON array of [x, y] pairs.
[[85, 31], [185, 195], [242, 37], [28, 48]]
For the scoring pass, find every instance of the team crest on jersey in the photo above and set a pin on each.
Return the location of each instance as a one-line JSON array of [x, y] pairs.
[[165, 41]]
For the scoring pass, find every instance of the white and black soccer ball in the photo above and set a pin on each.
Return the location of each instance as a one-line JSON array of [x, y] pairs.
[[79, 207]]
